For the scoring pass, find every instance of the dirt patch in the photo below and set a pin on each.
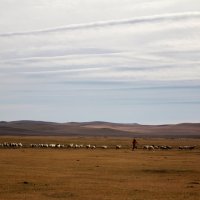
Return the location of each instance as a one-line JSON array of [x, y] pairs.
[[60, 195], [166, 171], [194, 183]]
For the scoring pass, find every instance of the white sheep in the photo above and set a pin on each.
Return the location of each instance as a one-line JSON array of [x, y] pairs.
[[52, 145], [33, 145], [58, 145], [76, 146], [70, 145], [20, 144], [149, 147], [88, 146], [165, 147], [186, 147], [118, 147]]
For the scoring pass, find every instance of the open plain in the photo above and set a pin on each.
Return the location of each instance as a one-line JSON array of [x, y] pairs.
[[98, 174]]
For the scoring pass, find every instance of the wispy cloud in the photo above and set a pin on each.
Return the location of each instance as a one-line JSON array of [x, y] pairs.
[[102, 24]]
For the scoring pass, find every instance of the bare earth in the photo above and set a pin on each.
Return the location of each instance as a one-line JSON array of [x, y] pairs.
[[99, 174]]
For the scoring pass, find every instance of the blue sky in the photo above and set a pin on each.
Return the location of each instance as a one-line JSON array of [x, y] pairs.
[[85, 60]]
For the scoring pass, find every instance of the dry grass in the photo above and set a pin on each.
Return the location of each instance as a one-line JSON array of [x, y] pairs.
[[99, 174]]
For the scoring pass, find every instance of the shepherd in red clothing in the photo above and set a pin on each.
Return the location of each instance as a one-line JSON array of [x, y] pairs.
[[134, 144]]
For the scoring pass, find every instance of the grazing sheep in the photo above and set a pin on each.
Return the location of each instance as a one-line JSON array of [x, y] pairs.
[[13, 144], [20, 144], [58, 145], [5, 144], [93, 147], [165, 147], [169, 147], [88, 146], [186, 147], [52, 145], [41, 145], [76, 146], [149, 147], [118, 147], [70, 145], [104, 147], [33, 145]]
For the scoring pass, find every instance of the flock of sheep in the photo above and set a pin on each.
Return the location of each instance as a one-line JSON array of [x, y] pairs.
[[154, 147], [88, 146], [75, 146]]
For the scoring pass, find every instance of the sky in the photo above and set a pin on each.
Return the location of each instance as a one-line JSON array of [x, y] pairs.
[[130, 61]]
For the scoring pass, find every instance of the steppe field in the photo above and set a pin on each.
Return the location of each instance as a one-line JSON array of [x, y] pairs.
[[99, 174]]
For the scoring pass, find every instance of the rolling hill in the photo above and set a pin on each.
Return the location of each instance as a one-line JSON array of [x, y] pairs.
[[97, 128]]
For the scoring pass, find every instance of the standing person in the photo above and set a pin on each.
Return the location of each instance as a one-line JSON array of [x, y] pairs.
[[134, 142]]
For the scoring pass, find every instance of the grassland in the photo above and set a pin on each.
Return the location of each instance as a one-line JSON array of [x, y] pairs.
[[99, 174]]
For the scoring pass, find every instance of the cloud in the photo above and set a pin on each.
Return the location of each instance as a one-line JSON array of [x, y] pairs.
[[102, 24], [139, 58]]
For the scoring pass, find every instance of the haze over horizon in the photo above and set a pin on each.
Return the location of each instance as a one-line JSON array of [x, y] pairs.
[[131, 61]]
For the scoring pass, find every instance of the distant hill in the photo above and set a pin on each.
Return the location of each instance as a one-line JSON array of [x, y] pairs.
[[98, 128]]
